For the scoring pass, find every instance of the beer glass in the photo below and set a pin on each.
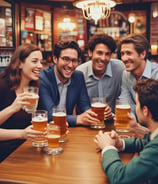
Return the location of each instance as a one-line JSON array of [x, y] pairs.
[[39, 122], [59, 118], [33, 99], [122, 109], [98, 106], [53, 136]]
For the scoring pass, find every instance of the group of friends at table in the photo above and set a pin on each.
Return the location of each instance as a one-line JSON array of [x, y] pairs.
[[71, 85]]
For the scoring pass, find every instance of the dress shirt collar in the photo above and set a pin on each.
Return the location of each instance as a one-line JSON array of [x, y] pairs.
[[60, 83], [147, 70], [154, 134], [107, 72]]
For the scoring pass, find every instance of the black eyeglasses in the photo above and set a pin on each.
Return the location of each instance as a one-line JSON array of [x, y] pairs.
[[67, 60]]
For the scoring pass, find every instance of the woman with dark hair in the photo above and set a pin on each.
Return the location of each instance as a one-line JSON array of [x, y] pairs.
[[23, 71]]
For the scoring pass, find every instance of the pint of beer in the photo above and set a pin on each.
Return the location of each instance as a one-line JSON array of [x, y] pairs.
[[53, 136], [98, 106], [39, 122], [59, 118], [122, 109], [33, 99]]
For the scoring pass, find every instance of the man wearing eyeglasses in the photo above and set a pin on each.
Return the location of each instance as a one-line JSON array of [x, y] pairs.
[[61, 85], [102, 74]]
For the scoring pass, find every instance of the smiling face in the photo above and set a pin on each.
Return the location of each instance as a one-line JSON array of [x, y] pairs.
[[133, 61], [64, 70], [100, 58], [32, 66]]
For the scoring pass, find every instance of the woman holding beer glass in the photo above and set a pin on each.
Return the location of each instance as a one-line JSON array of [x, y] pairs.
[[23, 71]]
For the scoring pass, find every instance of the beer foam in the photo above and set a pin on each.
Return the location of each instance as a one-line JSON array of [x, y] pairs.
[[33, 95], [52, 136], [98, 104], [59, 114], [39, 119], [122, 106]]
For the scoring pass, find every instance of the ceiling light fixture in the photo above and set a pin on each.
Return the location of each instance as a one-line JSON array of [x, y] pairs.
[[67, 25], [95, 9]]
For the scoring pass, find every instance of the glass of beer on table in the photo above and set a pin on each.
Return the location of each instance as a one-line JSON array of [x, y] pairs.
[[53, 136], [122, 109], [98, 106], [32, 99], [39, 122], [59, 118]]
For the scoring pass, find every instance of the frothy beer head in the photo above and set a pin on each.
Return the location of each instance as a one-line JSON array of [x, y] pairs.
[[59, 114], [122, 106], [98, 105]]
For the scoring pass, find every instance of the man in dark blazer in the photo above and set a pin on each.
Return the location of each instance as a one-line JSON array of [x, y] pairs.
[[61, 85], [144, 167]]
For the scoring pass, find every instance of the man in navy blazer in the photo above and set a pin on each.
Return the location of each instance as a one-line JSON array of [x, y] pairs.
[[144, 167], [61, 85]]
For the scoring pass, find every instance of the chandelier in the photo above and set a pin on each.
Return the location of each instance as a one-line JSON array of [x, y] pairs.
[[95, 9]]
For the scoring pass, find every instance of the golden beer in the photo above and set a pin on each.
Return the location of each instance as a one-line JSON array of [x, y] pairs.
[[33, 102], [99, 109], [122, 120], [60, 120], [53, 140], [53, 137], [39, 123]]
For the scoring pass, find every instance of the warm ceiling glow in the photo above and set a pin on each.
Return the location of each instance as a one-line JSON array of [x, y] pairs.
[[131, 18], [95, 9], [67, 25]]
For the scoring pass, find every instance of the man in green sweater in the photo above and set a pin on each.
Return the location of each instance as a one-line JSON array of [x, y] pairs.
[[142, 168]]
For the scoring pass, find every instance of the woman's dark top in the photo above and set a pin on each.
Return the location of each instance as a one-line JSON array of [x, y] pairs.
[[19, 120]]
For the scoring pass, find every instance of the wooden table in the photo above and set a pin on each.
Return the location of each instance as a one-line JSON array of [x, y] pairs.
[[79, 163]]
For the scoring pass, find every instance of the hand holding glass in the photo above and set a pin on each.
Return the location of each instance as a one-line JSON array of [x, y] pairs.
[[98, 106], [39, 122]]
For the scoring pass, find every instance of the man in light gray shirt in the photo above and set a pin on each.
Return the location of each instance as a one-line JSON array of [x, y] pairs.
[[134, 51], [102, 74]]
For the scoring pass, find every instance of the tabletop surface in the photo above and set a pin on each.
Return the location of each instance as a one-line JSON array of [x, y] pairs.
[[79, 163]]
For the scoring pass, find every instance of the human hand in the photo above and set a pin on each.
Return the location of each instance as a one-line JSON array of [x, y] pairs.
[[87, 118], [108, 113], [20, 101], [136, 128], [103, 140], [30, 134]]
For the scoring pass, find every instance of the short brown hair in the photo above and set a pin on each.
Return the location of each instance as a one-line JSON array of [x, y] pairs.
[[147, 90], [140, 43], [104, 39]]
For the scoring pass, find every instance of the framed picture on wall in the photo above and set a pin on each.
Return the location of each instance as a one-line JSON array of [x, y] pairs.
[[29, 19], [2, 27], [39, 20]]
